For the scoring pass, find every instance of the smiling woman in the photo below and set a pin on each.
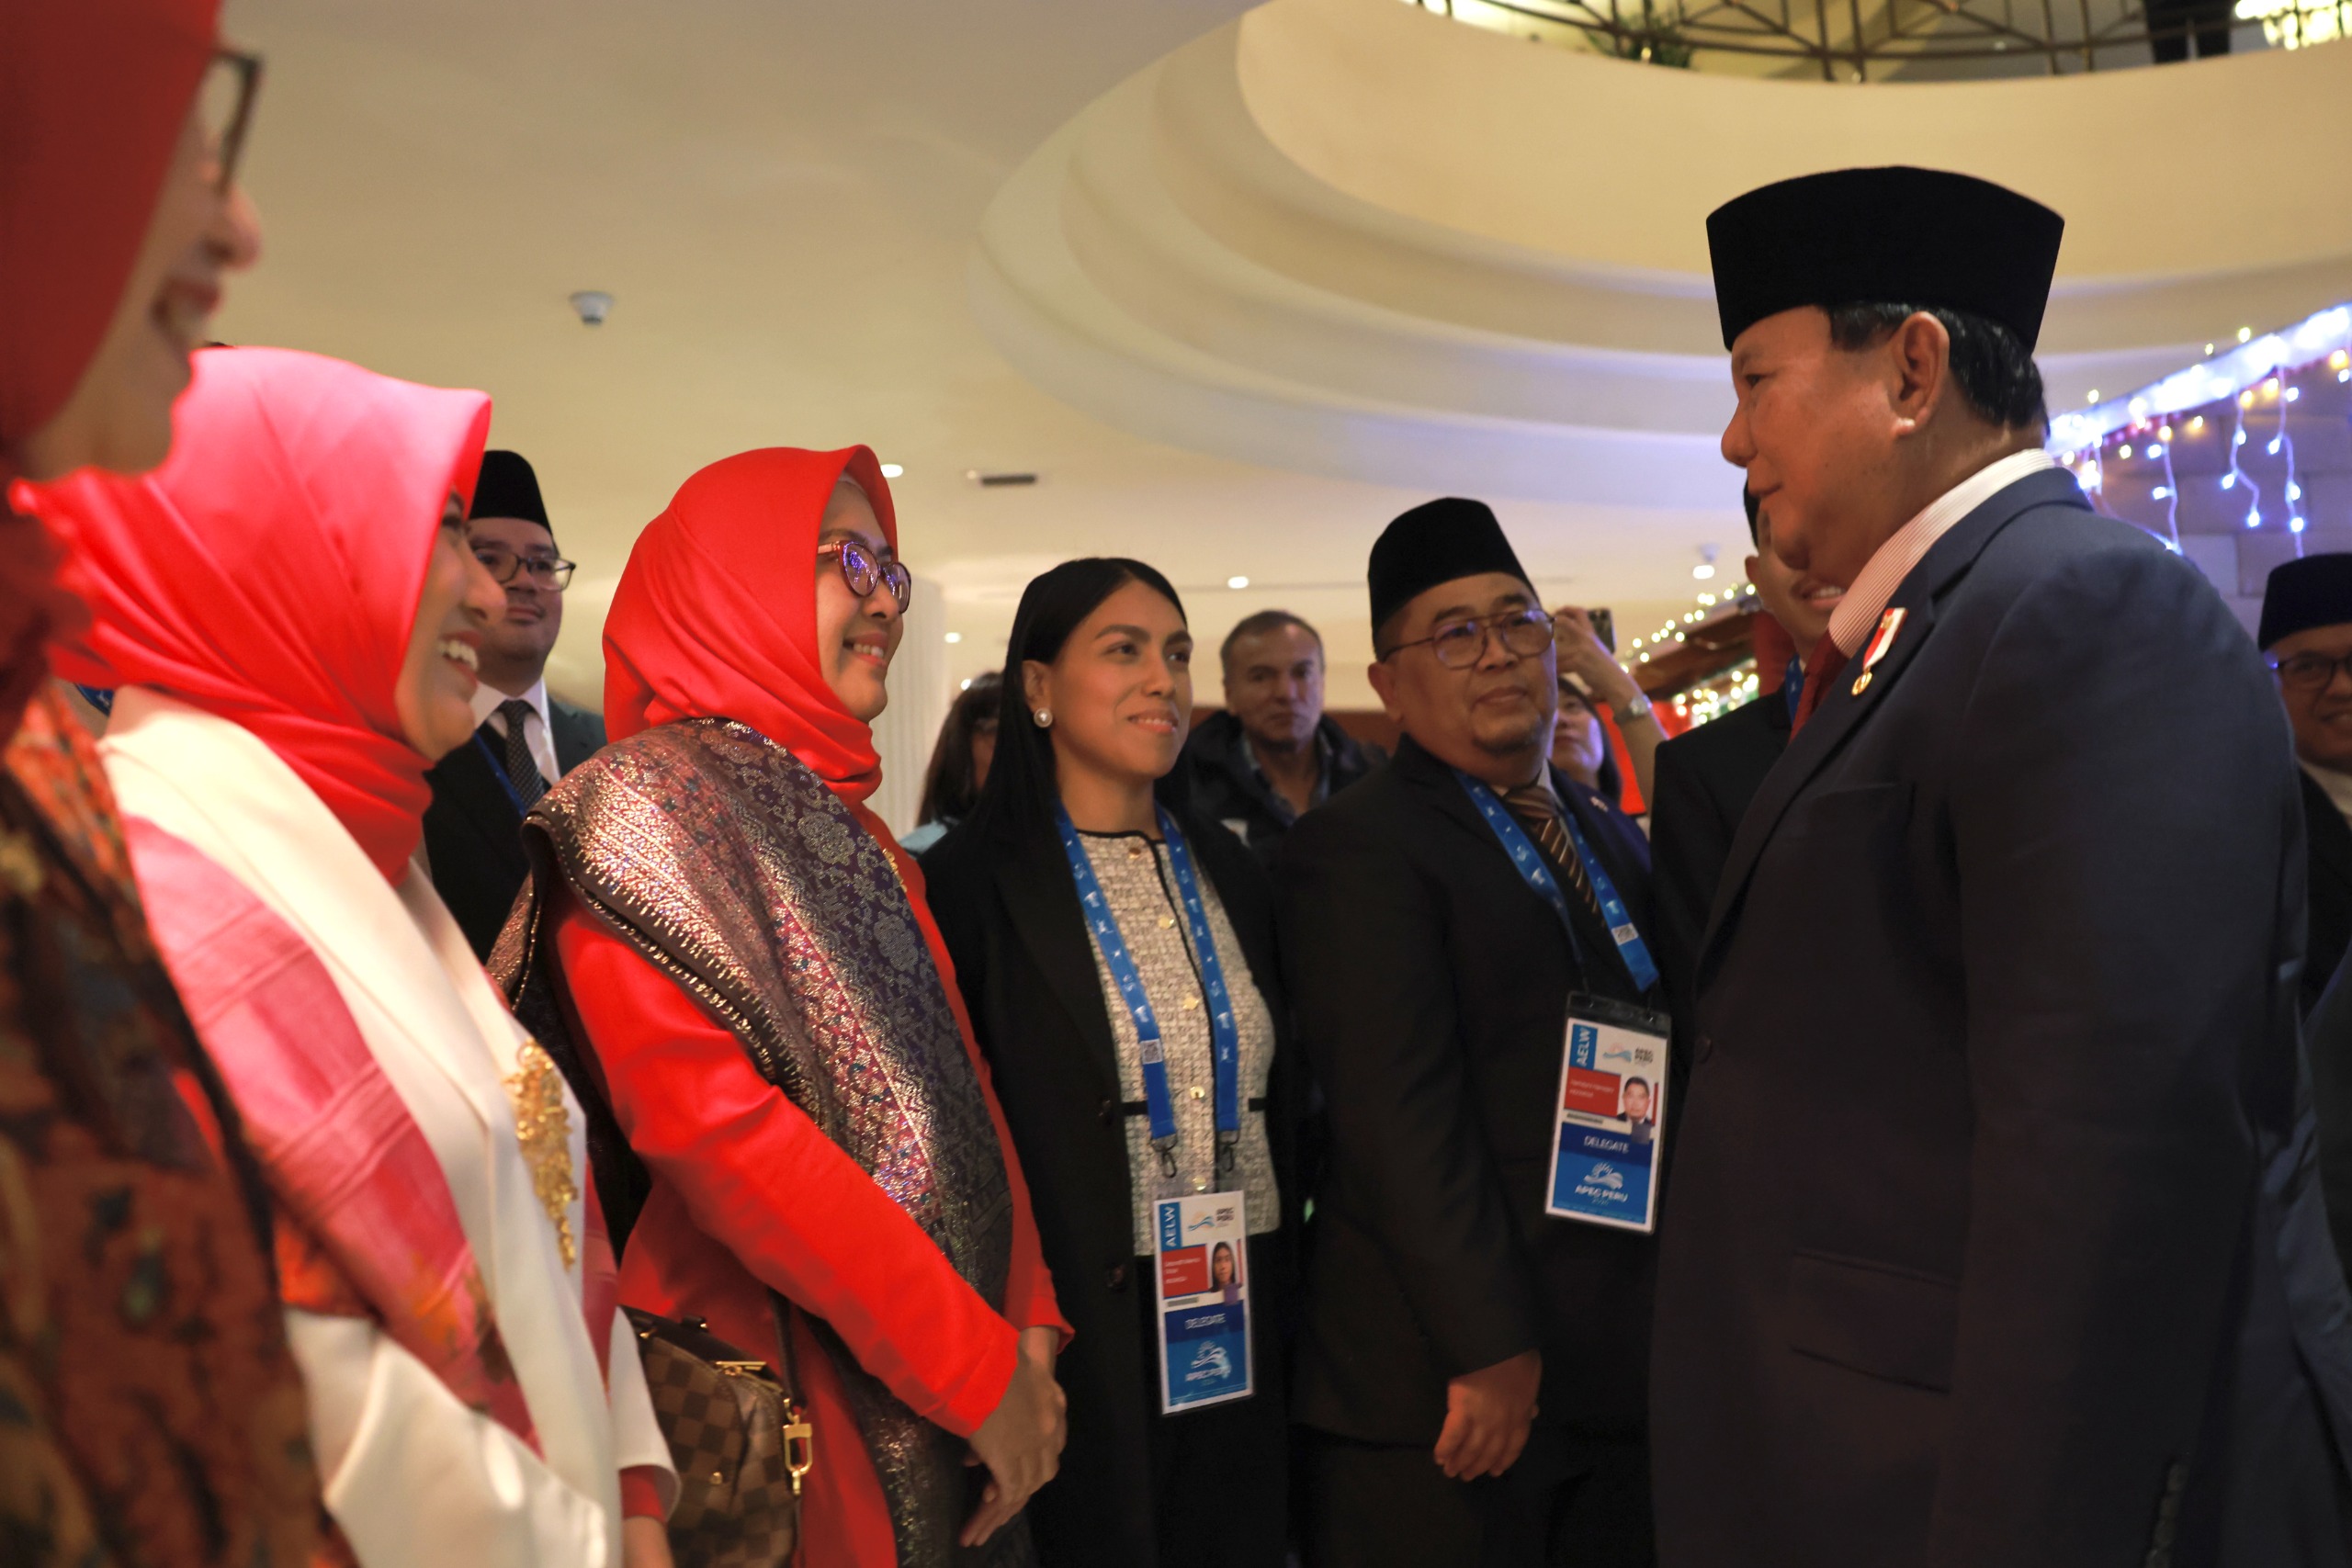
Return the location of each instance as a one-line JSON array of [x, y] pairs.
[[289, 613], [1181, 915]]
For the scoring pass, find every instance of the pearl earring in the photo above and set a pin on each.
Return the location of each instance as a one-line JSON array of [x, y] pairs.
[[1044, 717]]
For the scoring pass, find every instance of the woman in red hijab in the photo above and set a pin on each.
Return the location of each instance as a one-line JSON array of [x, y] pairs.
[[149, 1411], [291, 616], [789, 1118]]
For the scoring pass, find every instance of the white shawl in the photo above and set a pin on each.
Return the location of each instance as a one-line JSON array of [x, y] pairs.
[[414, 1478]]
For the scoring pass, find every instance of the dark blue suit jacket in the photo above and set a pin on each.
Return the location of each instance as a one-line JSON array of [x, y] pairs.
[[1989, 1193]]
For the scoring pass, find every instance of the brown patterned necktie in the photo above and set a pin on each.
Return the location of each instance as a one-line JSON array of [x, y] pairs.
[[1539, 809], [521, 770]]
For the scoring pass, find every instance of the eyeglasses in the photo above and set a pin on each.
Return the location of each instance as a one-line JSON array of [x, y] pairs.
[[224, 106], [1460, 644], [2308, 672], [864, 574], [550, 571]]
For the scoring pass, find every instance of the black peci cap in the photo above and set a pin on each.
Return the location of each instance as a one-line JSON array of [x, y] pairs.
[[1436, 542], [2313, 591], [1885, 236], [509, 489]]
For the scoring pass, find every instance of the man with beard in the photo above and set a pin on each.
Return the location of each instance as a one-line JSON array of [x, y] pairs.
[[527, 739], [1472, 1369]]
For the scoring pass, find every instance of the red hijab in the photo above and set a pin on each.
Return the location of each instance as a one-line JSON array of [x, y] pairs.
[[269, 571], [715, 616], [92, 94]]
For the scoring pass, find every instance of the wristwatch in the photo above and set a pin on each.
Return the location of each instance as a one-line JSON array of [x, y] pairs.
[[1637, 708]]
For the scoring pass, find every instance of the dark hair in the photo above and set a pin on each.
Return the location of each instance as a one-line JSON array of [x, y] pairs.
[[1259, 625], [948, 787], [1017, 802], [1644, 1082], [1995, 371]]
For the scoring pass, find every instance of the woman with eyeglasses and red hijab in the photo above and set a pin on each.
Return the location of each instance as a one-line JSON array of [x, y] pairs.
[[149, 1411], [291, 616], [793, 1125]]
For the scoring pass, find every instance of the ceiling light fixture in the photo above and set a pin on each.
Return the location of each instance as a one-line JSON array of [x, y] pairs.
[[893, 471], [1236, 582], [592, 305]]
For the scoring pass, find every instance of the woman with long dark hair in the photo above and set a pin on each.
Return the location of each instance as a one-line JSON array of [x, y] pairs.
[[1125, 1080], [959, 761]]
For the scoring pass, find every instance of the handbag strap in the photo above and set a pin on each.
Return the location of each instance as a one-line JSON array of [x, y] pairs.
[[799, 1437]]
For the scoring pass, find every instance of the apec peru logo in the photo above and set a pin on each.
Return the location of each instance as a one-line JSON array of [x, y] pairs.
[[1603, 1182]]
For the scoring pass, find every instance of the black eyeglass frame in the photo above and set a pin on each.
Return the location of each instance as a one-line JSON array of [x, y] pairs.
[[248, 67], [2319, 664], [554, 571], [1500, 624], [864, 574]]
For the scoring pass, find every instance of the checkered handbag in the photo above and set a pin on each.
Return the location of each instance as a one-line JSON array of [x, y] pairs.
[[739, 1441]]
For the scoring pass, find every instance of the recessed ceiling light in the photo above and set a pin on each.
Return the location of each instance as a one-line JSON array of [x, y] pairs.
[[1236, 582], [1704, 570], [955, 636], [892, 470]]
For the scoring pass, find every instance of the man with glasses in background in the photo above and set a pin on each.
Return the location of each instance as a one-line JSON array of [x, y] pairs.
[[2306, 638], [1473, 1370], [527, 739]]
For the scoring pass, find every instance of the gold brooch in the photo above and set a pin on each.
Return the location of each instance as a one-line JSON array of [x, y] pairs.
[[543, 1126]]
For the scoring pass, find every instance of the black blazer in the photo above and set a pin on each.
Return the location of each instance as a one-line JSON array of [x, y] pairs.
[[2329, 893], [1010, 919], [1705, 779], [1431, 984], [1968, 1260], [473, 834]]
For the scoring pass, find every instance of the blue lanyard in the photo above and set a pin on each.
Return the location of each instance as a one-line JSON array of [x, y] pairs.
[[498, 771], [1793, 685], [1224, 1032], [1530, 864]]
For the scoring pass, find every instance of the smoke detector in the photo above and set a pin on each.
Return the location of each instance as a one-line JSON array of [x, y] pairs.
[[593, 305]]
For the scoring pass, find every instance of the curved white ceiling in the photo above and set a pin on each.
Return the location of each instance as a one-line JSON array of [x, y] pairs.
[[1352, 238]]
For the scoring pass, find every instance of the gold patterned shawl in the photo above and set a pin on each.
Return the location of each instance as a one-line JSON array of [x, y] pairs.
[[733, 869]]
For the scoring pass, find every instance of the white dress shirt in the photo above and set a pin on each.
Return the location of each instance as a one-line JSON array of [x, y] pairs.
[[539, 737], [1865, 601]]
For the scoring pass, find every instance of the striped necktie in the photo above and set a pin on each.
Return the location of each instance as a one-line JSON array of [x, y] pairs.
[[1539, 809], [521, 770]]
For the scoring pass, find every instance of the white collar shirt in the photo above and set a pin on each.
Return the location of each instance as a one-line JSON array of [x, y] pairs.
[[539, 737], [1866, 597]]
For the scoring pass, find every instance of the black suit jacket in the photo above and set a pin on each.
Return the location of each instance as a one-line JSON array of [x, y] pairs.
[[1431, 985], [2329, 895], [1010, 919], [473, 834], [1705, 779], [1969, 1258]]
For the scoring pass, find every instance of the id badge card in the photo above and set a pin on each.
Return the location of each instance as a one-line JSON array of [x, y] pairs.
[[1204, 1285], [1611, 1107]]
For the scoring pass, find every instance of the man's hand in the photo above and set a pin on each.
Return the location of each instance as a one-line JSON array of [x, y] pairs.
[[645, 1542], [1487, 1416], [1021, 1442], [1581, 655]]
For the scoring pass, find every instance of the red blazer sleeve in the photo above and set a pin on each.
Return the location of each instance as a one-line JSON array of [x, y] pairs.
[[761, 1179], [1029, 1300]]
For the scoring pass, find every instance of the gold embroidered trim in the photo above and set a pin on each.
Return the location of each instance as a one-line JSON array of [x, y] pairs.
[[543, 1126]]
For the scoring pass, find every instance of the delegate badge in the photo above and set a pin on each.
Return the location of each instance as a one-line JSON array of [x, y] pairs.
[[1611, 1105], [1204, 1285]]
